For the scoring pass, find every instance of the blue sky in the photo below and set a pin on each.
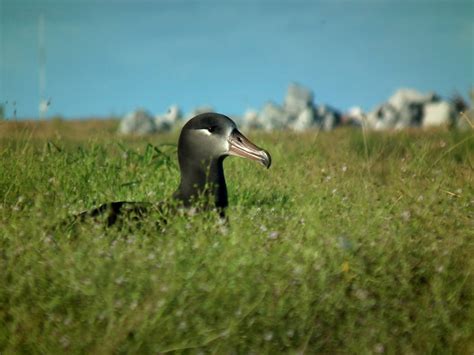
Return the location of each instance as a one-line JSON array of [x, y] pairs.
[[110, 56]]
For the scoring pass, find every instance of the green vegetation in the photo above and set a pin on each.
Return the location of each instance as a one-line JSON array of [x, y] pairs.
[[349, 243]]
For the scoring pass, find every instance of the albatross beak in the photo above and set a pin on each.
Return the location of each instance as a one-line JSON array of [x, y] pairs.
[[242, 147]]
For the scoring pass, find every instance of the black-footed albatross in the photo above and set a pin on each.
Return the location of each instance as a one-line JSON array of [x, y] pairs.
[[205, 141]]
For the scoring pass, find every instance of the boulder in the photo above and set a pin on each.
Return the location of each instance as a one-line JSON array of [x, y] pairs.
[[403, 96], [305, 120], [405, 108], [273, 116], [355, 116], [437, 114], [297, 99], [170, 119], [251, 120], [137, 122], [328, 116], [385, 116], [409, 104]]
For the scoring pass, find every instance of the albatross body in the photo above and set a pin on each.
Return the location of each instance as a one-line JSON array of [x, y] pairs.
[[205, 141]]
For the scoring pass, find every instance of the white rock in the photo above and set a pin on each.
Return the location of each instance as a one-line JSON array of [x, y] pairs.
[[356, 113], [137, 122], [355, 116], [273, 117], [385, 116], [170, 119], [404, 97], [305, 120], [328, 116], [297, 99], [409, 104], [251, 120], [438, 114]]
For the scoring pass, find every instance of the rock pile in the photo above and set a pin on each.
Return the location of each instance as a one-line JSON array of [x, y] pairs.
[[142, 122], [405, 108], [169, 120], [298, 113], [137, 122], [410, 108]]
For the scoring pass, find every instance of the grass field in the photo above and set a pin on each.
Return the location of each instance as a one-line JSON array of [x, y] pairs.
[[348, 244]]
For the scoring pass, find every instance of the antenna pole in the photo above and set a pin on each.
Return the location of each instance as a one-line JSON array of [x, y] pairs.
[[43, 104]]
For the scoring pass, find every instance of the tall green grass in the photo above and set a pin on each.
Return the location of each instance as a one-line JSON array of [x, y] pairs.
[[347, 244]]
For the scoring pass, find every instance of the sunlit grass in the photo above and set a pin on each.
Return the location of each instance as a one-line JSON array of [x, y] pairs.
[[345, 245]]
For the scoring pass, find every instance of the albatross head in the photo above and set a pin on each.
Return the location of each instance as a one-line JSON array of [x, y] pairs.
[[212, 137]]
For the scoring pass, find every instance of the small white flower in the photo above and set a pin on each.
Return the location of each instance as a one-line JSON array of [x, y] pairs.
[[406, 215], [360, 294], [379, 348], [48, 239], [268, 336], [274, 235], [298, 270], [64, 341]]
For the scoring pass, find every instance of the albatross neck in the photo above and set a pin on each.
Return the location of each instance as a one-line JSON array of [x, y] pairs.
[[202, 179]]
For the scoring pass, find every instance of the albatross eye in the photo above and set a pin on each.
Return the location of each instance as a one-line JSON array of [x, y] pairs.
[[211, 129]]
